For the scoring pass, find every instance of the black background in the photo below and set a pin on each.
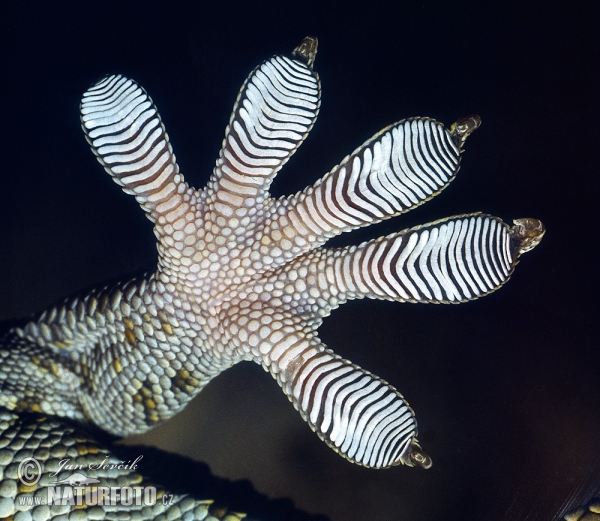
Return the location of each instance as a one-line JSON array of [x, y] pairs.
[[506, 389]]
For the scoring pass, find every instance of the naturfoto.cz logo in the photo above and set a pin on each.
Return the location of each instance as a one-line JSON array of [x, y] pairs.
[[78, 489]]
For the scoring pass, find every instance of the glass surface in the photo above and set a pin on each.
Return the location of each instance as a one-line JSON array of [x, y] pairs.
[[506, 389]]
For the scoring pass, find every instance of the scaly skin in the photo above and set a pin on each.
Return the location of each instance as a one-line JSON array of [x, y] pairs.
[[590, 512], [52, 441], [242, 276]]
